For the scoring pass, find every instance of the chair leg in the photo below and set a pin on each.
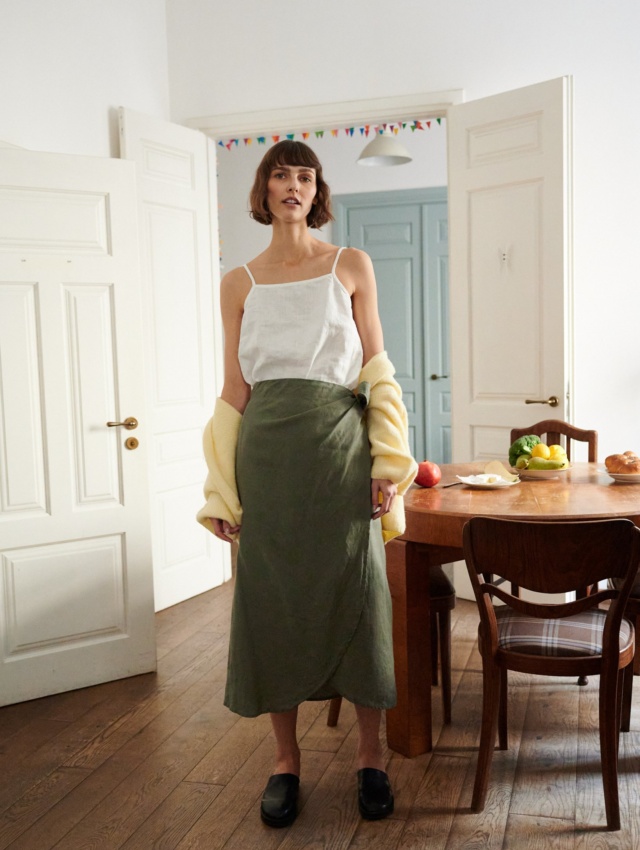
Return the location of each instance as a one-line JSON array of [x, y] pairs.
[[636, 657], [609, 736], [444, 627], [435, 619], [503, 735], [627, 697], [490, 700], [334, 711], [582, 591]]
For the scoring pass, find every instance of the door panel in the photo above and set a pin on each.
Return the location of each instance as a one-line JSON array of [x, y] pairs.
[[405, 234], [391, 235], [90, 353], [24, 490], [76, 592], [510, 286], [183, 345]]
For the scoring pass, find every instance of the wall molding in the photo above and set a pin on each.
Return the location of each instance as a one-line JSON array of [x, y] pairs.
[[341, 114]]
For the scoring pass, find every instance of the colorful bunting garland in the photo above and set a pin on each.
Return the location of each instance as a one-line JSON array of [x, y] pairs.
[[319, 134]]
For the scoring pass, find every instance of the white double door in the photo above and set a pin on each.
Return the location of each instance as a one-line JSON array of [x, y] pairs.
[[76, 585]]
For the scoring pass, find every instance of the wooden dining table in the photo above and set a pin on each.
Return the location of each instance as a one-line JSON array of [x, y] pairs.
[[435, 518]]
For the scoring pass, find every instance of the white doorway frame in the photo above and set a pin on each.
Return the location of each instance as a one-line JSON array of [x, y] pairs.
[[375, 111]]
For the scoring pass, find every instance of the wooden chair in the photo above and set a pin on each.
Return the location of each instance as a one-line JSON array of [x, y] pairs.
[[443, 601], [564, 639], [561, 433]]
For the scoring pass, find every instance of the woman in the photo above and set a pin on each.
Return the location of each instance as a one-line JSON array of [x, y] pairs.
[[311, 613]]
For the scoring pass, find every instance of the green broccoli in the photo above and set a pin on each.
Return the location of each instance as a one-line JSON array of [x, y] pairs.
[[522, 446]]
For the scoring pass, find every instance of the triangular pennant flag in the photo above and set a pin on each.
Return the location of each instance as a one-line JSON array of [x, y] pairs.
[[305, 135], [419, 125], [395, 131], [275, 138], [319, 134], [290, 136], [334, 133], [367, 127], [439, 120], [229, 145], [221, 143], [261, 140], [429, 124]]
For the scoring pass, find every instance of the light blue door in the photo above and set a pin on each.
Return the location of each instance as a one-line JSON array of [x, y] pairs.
[[405, 234]]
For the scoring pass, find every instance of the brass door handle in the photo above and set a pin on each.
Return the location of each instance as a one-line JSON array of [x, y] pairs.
[[130, 423], [552, 401], [437, 377]]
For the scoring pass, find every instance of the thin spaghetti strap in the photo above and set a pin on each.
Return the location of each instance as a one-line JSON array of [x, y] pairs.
[[335, 262], [246, 268]]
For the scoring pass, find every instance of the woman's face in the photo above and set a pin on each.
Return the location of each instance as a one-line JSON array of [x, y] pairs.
[[291, 190]]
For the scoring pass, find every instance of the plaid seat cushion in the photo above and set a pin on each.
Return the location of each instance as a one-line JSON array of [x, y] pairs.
[[577, 636]]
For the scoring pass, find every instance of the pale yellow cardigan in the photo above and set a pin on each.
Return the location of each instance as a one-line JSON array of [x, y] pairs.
[[388, 436], [219, 442], [388, 431]]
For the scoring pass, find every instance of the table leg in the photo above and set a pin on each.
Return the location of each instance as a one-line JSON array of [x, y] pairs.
[[409, 723]]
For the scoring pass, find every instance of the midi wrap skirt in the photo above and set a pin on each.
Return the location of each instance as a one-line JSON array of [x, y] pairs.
[[311, 612]]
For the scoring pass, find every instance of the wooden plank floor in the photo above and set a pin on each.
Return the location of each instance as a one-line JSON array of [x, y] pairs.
[[156, 761]]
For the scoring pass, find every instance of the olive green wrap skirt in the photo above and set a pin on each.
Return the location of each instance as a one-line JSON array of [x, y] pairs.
[[311, 612]]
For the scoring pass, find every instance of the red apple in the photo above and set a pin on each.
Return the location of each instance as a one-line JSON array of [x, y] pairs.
[[428, 474]]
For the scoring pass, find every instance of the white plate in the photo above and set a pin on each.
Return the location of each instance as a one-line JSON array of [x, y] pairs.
[[480, 482], [624, 477], [541, 473]]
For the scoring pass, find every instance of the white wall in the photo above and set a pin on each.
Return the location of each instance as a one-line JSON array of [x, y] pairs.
[[67, 65], [242, 238], [234, 57]]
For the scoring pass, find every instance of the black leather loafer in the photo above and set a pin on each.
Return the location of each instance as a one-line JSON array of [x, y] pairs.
[[279, 806], [375, 797]]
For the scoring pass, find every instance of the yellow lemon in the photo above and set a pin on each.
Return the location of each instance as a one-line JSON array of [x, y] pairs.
[[541, 450], [557, 452]]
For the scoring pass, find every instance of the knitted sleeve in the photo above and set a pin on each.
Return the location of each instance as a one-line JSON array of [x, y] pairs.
[[220, 440], [387, 426]]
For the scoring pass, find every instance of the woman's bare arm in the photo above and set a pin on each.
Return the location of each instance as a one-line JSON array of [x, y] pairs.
[[356, 273], [235, 391], [233, 291]]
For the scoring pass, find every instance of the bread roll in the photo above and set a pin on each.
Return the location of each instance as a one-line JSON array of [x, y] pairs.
[[627, 463]]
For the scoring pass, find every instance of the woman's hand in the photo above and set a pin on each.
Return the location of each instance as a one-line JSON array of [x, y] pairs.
[[222, 529], [383, 492]]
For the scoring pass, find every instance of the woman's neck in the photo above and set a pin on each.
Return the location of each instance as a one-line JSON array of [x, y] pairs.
[[291, 245]]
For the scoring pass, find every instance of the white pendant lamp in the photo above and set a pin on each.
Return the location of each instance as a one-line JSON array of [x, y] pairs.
[[385, 149]]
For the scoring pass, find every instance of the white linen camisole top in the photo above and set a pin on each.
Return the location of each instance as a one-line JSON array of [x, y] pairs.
[[303, 329]]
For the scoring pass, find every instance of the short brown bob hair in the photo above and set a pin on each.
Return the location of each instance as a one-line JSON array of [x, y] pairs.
[[289, 152]]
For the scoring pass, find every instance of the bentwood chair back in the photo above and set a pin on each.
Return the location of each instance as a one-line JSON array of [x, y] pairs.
[[562, 433], [558, 432], [566, 639]]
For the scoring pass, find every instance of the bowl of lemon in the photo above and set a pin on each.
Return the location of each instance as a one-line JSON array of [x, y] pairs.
[[529, 457]]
